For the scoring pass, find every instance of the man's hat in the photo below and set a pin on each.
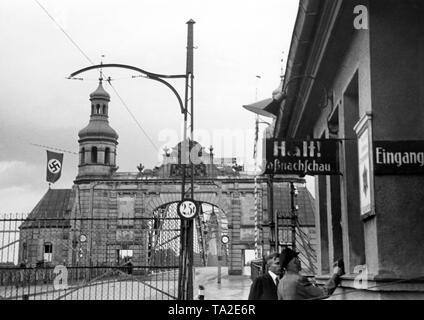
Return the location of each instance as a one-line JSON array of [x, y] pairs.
[[286, 256], [272, 256]]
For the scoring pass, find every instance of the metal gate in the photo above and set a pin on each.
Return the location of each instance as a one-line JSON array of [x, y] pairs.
[[111, 259]]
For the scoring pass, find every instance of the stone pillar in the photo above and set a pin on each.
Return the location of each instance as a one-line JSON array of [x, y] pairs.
[[101, 155], [353, 229], [397, 75], [81, 157], [87, 154], [321, 225], [141, 231], [112, 156], [335, 239]]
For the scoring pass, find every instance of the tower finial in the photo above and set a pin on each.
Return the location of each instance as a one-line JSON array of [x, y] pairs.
[[101, 69]]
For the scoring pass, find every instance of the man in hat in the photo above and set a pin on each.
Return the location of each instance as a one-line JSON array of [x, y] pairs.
[[265, 286], [294, 286]]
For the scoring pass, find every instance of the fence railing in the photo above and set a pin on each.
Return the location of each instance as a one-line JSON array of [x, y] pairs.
[[89, 258], [93, 283]]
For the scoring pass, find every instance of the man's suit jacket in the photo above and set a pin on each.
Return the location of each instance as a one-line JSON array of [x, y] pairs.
[[293, 286], [263, 288]]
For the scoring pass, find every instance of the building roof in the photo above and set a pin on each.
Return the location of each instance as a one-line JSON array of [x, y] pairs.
[[100, 93], [305, 201], [320, 37], [52, 211], [98, 128]]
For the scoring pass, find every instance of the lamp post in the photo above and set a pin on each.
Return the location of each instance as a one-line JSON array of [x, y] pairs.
[[185, 281]]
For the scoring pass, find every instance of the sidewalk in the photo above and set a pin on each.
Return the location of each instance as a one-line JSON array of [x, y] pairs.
[[230, 288]]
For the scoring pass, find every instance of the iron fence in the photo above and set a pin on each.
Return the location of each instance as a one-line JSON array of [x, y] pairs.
[[90, 258]]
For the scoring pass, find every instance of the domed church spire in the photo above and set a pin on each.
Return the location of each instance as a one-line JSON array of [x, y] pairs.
[[99, 101], [97, 140]]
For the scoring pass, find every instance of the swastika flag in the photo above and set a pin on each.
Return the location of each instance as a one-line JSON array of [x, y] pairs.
[[54, 166]]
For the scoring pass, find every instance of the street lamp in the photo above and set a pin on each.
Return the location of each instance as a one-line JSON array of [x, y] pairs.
[[185, 281]]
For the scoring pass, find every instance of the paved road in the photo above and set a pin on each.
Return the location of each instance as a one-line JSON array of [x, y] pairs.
[[160, 287], [230, 288]]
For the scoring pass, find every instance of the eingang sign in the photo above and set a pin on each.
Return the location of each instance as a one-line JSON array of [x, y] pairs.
[[312, 157], [398, 157]]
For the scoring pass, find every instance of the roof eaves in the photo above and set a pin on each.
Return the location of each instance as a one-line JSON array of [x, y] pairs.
[[301, 39]]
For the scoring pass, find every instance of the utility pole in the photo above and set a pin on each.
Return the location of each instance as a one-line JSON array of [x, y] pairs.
[[255, 157], [185, 287]]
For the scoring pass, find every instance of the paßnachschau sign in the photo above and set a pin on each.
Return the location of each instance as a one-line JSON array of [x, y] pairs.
[[313, 157], [398, 157]]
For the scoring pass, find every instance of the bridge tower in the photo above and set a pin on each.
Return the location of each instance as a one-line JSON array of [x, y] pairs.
[[97, 141]]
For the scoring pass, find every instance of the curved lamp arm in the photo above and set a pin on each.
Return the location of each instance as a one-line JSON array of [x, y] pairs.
[[150, 75]]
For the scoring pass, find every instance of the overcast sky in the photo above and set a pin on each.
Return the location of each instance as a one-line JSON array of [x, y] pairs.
[[236, 41]]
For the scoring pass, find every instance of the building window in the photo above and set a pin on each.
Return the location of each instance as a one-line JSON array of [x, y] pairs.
[[104, 109], [82, 156], [48, 252], [93, 109], [107, 156], [94, 155], [98, 108], [126, 210], [124, 256]]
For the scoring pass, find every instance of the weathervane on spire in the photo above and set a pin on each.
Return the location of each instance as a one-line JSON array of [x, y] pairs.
[[101, 69]]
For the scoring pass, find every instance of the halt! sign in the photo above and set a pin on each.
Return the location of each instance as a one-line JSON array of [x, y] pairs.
[[313, 157]]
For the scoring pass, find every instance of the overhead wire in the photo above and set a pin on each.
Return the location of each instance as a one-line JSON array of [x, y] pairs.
[[132, 115], [64, 32], [53, 148]]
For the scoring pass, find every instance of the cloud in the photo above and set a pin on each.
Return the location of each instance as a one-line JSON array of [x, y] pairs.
[[23, 165], [47, 109], [18, 174], [19, 199]]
